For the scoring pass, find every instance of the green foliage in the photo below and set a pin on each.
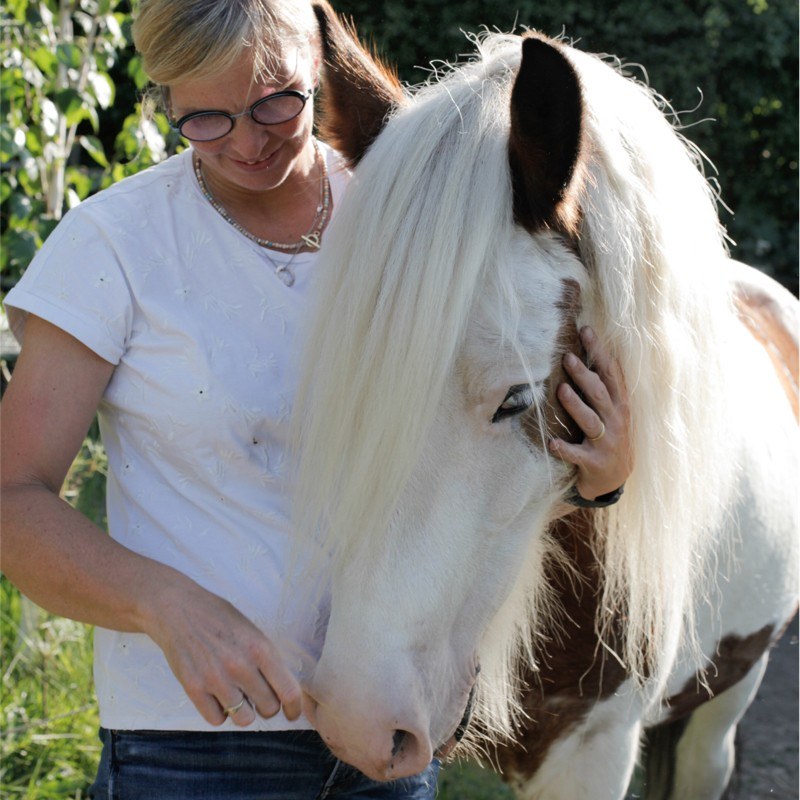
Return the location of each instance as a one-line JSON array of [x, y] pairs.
[[468, 781], [71, 122], [59, 91], [730, 67], [50, 747]]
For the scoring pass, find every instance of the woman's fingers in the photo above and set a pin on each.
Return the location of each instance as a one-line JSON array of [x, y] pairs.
[[601, 410], [264, 683], [239, 712], [228, 667], [285, 687], [587, 418], [604, 366]]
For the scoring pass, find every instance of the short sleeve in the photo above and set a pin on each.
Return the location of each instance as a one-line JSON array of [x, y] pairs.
[[77, 282]]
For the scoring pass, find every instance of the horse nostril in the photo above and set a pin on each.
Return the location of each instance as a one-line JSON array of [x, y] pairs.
[[397, 742], [411, 754]]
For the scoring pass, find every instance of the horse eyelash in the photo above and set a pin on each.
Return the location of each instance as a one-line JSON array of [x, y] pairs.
[[518, 389]]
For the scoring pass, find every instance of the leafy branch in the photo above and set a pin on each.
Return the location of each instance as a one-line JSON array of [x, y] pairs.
[[58, 62]]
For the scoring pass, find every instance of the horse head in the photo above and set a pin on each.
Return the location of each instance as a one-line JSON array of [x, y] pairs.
[[443, 485]]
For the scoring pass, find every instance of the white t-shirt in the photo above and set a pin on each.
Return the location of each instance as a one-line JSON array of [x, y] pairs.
[[204, 336]]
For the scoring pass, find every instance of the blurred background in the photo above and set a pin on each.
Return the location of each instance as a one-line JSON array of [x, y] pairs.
[[71, 89]]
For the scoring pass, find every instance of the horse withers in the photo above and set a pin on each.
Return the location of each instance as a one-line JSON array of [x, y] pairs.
[[491, 214]]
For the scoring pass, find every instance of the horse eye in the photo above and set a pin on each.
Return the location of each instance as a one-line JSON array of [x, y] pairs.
[[519, 398]]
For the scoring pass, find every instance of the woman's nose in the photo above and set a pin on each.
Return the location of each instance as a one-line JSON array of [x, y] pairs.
[[249, 138]]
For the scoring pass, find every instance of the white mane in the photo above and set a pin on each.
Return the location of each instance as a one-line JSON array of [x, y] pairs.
[[404, 259]]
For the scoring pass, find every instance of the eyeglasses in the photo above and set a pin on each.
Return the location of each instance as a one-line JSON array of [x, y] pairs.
[[205, 126]]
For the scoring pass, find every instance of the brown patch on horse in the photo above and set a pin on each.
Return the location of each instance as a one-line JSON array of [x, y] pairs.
[[557, 422], [546, 140], [735, 657], [757, 313], [574, 670], [358, 92]]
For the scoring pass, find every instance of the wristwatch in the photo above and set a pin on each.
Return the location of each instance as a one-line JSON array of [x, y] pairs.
[[574, 498]]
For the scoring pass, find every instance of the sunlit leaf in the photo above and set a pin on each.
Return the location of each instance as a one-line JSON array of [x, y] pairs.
[[49, 118], [29, 167], [33, 75], [114, 28], [72, 198], [137, 73], [45, 59], [33, 142], [17, 8], [80, 181], [47, 15], [102, 88], [6, 189], [93, 146]]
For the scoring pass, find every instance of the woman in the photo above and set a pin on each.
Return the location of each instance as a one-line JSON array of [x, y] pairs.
[[170, 304]]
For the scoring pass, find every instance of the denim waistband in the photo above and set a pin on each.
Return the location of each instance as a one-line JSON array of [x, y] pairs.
[[231, 765]]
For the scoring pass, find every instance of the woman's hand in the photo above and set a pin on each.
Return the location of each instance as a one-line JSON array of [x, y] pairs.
[[226, 665], [604, 458]]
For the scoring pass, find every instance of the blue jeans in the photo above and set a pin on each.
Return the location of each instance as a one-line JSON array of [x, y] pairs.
[[284, 765]]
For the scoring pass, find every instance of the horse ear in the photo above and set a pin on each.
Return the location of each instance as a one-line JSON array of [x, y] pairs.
[[546, 137], [358, 90]]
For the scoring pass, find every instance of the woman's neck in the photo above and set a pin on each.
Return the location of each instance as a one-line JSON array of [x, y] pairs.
[[284, 213]]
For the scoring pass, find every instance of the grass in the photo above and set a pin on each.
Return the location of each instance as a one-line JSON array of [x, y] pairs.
[[466, 781], [49, 746]]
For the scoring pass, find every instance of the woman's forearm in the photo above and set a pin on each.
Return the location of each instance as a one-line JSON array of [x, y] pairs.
[[66, 564]]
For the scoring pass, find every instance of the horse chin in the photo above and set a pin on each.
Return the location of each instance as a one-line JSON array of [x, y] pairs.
[[448, 745]]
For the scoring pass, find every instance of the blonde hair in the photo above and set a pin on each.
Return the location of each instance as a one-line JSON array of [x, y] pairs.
[[198, 39]]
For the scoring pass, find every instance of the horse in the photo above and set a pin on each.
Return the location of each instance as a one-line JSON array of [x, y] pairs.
[[493, 211]]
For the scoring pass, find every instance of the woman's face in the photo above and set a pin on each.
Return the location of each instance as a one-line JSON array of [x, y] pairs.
[[252, 157]]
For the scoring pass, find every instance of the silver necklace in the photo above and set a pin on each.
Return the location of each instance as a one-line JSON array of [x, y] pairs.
[[312, 239], [283, 271]]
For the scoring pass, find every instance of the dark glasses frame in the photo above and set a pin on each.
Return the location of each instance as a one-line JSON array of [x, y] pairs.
[[177, 125]]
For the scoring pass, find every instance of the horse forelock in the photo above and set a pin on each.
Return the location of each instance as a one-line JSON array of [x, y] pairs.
[[427, 208]]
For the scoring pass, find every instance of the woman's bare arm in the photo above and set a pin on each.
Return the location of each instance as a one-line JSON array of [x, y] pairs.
[[70, 567]]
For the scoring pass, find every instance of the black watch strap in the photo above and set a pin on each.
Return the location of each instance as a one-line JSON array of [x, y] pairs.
[[574, 498]]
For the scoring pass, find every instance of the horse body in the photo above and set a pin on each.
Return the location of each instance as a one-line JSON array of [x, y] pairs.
[[584, 717], [496, 212]]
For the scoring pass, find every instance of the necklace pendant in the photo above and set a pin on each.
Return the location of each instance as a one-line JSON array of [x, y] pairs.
[[286, 276], [311, 240]]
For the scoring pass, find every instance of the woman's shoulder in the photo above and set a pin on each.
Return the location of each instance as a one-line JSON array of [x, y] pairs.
[[159, 182], [146, 200], [115, 224]]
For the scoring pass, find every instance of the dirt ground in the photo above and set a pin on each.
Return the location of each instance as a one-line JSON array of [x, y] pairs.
[[767, 740]]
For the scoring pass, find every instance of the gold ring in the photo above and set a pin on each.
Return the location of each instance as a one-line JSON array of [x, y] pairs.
[[229, 712], [599, 435]]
